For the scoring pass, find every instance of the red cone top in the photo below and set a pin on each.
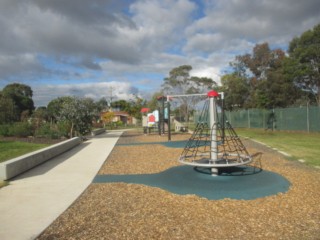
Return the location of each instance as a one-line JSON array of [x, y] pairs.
[[213, 94]]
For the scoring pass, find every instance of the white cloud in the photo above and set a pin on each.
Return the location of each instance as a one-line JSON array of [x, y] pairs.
[[43, 94], [136, 42], [237, 24], [159, 24], [209, 72]]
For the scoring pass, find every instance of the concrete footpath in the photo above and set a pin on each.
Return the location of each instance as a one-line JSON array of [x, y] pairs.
[[36, 198]]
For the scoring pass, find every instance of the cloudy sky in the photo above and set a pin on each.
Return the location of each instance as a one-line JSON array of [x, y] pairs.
[[100, 48]]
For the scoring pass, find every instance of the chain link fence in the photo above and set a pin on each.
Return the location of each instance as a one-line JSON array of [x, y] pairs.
[[292, 119]]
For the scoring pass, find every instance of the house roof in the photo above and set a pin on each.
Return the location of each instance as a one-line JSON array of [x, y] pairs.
[[144, 110], [121, 113]]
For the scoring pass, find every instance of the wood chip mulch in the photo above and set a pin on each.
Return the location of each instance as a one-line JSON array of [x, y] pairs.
[[132, 211]]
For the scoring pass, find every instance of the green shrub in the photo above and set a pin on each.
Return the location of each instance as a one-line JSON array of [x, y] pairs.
[[48, 131], [4, 130], [64, 128], [20, 129], [119, 123]]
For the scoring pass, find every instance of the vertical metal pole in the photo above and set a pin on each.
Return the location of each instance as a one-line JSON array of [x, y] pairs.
[[213, 124], [308, 118], [169, 121], [163, 130], [159, 121], [273, 119], [249, 125], [214, 145], [222, 118]]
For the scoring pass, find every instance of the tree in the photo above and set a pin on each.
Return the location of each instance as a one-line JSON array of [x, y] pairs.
[[122, 105], [135, 106], [277, 90], [102, 104], [263, 70], [107, 117], [8, 110], [132, 107], [80, 113], [236, 91], [180, 82], [41, 112], [21, 95], [77, 112], [54, 107], [304, 61], [153, 103], [40, 115]]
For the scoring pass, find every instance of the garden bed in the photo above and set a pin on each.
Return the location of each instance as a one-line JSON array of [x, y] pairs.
[[32, 140], [133, 211]]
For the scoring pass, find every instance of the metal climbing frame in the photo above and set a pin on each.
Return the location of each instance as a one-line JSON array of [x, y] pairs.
[[170, 97], [214, 143]]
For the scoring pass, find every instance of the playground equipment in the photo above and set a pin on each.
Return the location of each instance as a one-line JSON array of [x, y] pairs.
[[149, 120], [164, 112], [164, 119], [214, 143]]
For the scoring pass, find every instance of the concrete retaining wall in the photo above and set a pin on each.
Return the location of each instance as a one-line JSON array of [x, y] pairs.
[[18, 165], [97, 131]]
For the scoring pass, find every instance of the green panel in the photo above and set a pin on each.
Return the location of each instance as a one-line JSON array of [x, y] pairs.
[[257, 118], [294, 119], [314, 119], [238, 118], [291, 119]]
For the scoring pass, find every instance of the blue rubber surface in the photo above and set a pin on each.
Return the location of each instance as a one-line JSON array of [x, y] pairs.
[[173, 144], [236, 183]]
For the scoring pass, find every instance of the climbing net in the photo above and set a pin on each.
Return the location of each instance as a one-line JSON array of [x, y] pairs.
[[214, 143], [184, 106]]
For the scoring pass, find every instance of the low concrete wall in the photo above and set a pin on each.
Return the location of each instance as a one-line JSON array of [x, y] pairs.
[[18, 165], [97, 131]]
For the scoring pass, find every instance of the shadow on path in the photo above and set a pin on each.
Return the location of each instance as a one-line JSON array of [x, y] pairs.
[[51, 163]]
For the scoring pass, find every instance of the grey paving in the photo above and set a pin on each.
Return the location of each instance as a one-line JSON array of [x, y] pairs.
[[36, 198]]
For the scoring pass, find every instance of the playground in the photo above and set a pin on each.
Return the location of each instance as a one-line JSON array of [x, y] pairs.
[[117, 206]]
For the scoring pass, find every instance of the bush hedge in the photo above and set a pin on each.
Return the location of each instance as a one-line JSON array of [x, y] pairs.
[[25, 129]]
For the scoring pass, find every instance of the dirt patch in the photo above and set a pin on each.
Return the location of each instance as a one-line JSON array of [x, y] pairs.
[[132, 211]]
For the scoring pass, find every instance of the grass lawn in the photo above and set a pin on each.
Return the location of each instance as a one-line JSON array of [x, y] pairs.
[[12, 149], [304, 146]]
